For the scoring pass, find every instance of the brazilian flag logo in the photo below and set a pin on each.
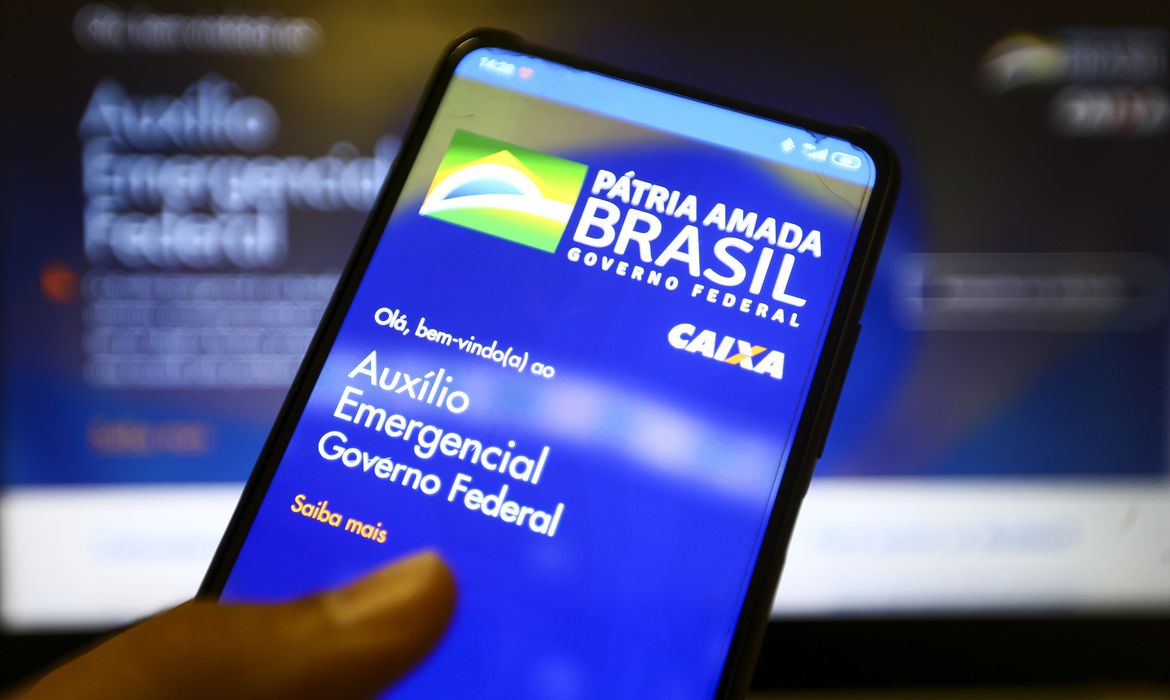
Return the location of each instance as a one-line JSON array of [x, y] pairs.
[[504, 190]]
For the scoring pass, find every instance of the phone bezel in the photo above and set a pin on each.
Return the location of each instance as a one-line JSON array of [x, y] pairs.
[[815, 415]]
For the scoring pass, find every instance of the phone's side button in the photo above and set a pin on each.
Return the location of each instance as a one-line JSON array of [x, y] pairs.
[[838, 382]]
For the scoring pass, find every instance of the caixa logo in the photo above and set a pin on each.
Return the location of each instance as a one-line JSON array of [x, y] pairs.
[[728, 350]]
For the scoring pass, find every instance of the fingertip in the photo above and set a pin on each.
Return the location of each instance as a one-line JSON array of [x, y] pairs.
[[419, 589]]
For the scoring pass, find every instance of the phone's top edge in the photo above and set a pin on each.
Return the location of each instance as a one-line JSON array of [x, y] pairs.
[[504, 60]]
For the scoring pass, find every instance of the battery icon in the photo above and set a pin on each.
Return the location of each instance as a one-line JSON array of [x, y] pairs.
[[845, 160]]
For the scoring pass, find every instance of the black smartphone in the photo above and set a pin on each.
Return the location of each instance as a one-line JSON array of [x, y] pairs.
[[588, 348]]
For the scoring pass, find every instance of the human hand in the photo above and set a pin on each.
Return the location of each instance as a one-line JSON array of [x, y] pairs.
[[347, 643]]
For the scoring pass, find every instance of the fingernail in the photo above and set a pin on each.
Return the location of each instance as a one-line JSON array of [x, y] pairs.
[[422, 580]]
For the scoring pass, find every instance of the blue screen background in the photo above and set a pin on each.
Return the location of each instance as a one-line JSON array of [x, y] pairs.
[[667, 462]]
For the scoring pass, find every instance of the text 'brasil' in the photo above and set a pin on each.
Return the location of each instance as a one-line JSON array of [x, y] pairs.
[[620, 229]]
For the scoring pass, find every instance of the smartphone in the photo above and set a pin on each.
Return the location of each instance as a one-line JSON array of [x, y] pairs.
[[588, 348]]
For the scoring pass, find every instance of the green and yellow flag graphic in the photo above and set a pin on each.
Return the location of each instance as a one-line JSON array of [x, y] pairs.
[[504, 190]]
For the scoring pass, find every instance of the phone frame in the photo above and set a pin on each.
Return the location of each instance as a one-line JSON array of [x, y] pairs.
[[815, 415]]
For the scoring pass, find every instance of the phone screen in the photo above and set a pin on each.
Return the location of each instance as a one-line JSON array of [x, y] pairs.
[[574, 365]]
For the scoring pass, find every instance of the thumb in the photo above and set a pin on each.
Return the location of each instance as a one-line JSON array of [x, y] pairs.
[[347, 643]]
